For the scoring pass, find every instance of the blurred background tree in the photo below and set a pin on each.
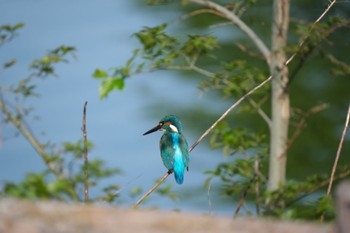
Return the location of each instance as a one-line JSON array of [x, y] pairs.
[[231, 47]]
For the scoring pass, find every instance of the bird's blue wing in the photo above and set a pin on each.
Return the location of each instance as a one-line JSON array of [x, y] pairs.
[[185, 152], [167, 151]]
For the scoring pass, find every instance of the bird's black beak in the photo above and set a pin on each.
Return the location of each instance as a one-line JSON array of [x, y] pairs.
[[154, 129]]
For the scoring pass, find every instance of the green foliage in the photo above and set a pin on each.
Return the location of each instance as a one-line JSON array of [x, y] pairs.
[[68, 180], [136, 191], [237, 140], [298, 200], [114, 80], [155, 41], [166, 191], [44, 66], [339, 68], [111, 193], [159, 51], [235, 79], [41, 68], [8, 32], [199, 45], [244, 176]]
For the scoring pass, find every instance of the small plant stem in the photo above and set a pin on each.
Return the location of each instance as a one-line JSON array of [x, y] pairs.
[[86, 159]]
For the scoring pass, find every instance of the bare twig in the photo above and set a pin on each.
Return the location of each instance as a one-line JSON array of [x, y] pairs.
[[86, 159], [255, 179], [209, 199], [244, 49], [219, 25], [337, 156], [301, 124], [201, 11], [311, 46], [151, 190], [241, 202], [325, 11], [192, 68], [257, 186], [311, 29]]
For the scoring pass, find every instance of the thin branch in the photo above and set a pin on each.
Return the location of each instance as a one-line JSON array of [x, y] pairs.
[[240, 24], [241, 201], [338, 152], [301, 124], [257, 186], [203, 72], [86, 159], [261, 112], [244, 49], [209, 199], [325, 12], [151, 190], [228, 111], [192, 68], [200, 11], [255, 179], [219, 25], [18, 123], [311, 29], [337, 158], [312, 46]]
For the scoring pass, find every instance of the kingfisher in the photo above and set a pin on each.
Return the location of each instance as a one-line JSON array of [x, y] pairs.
[[173, 146]]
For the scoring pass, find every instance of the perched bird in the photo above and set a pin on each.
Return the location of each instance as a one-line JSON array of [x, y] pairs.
[[173, 146]]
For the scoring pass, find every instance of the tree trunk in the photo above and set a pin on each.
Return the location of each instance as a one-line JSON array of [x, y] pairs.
[[279, 96]]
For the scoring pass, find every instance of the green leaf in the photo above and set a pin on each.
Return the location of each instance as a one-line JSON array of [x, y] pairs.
[[10, 63], [110, 83], [18, 26], [99, 73], [135, 191], [119, 83], [106, 87]]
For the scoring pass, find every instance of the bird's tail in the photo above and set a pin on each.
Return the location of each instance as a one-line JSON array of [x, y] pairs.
[[179, 176], [179, 169]]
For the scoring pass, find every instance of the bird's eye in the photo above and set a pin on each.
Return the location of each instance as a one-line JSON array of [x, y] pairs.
[[161, 123]]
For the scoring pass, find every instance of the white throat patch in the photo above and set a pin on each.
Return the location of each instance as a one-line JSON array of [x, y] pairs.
[[173, 128]]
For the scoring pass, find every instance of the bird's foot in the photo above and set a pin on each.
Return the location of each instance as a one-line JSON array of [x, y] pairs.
[[170, 171]]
